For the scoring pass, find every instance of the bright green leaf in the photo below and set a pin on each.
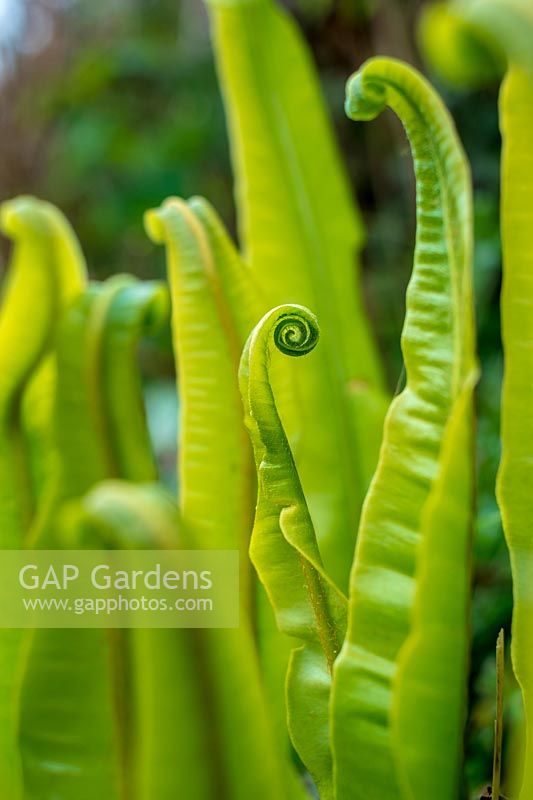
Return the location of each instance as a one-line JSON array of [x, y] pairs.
[[46, 273], [507, 25], [171, 749], [516, 472], [214, 306], [430, 686], [300, 234], [72, 724]]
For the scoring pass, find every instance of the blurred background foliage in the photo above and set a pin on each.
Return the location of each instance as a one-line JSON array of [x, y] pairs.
[[108, 108]]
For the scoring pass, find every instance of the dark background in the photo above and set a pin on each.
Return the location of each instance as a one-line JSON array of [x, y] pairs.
[[107, 108]]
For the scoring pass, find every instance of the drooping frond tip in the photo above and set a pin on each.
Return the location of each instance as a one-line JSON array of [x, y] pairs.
[[366, 97]]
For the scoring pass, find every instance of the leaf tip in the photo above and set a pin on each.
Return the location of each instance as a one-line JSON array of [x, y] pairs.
[[366, 97]]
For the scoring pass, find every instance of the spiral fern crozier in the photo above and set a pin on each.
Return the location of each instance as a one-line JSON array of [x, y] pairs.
[[295, 331]]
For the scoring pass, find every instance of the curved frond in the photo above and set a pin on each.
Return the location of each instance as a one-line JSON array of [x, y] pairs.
[[372, 757]]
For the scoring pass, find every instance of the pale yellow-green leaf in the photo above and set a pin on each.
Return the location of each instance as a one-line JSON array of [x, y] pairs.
[[300, 233], [516, 471], [371, 761], [47, 271], [214, 305]]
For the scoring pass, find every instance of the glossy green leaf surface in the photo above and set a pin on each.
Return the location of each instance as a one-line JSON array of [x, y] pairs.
[[430, 685], [71, 730], [392, 611], [170, 748], [300, 232], [214, 304], [516, 472], [47, 271], [508, 26], [208, 339], [284, 548]]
